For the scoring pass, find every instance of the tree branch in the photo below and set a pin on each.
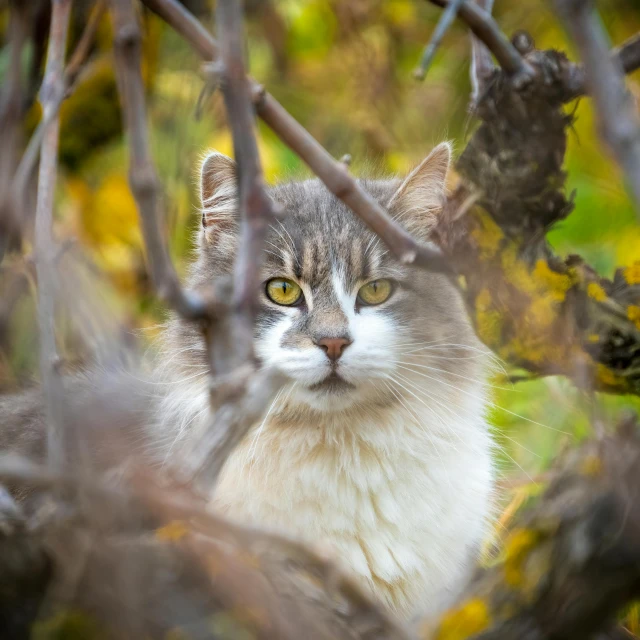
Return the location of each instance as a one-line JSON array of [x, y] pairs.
[[626, 56], [256, 208], [446, 20], [60, 442], [142, 173], [482, 67], [486, 29], [618, 120], [331, 172], [60, 92]]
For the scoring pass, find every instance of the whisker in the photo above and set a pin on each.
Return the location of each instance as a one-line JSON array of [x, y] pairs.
[[494, 405], [430, 409], [457, 375]]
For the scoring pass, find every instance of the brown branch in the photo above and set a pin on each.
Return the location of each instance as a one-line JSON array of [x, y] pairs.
[[142, 173], [446, 20], [331, 172], [626, 56], [482, 66], [618, 120], [486, 29], [60, 92], [256, 208], [59, 441]]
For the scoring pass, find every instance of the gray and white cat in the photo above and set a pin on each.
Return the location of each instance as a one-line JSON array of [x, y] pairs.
[[378, 446]]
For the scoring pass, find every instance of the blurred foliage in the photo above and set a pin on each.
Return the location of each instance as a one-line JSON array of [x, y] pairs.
[[343, 68]]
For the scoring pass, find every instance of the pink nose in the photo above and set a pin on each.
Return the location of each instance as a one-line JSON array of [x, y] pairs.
[[333, 347]]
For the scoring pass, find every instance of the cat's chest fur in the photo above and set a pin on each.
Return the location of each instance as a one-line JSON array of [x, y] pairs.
[[404, 508]]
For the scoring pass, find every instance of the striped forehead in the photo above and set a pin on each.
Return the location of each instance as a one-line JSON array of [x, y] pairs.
[[319, 237]]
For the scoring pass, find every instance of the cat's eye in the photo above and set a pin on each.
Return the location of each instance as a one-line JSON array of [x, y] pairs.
[[375, 292], [283, 291]]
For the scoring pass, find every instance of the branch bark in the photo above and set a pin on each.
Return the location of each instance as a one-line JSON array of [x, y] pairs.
[[618, 121], [60, 442], [482, 67], [60, 92], [142, 173], [446, 20], [485, 29], [256, 208]]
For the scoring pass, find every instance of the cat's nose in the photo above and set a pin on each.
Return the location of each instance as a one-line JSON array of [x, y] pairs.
[[333, 347]]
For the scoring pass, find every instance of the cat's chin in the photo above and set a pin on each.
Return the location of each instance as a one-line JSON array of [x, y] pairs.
[[331, 394]]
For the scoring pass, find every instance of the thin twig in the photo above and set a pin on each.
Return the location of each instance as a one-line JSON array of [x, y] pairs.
[[482, 66], [11, 104], [332, 173], [618, 120], [57, 445], [446, 20], [627, 56], [256, 208], [487, 30], [71, 74], [142, 174]]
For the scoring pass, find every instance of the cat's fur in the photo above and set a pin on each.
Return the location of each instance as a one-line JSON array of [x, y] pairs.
[[393, 470]]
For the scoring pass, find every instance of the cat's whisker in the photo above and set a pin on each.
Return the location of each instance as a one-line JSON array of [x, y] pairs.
[[291, 243], [254, 441], [496, 444], [433, 398], [492, 404], [417, 419], [449, 373], [430, 409], [519, 444]]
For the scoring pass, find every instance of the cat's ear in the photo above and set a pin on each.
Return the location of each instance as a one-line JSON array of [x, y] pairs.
[[420, 198], [218, 190]]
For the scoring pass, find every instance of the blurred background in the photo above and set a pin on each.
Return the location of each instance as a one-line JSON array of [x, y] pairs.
[[343, 68]]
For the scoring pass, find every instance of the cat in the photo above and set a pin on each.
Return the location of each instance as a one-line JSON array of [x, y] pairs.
[[378, 447]]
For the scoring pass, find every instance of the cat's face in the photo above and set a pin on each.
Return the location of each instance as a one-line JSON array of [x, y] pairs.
[[339, 315]]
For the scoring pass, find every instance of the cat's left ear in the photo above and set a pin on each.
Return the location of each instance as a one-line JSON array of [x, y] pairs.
[[420, 198]]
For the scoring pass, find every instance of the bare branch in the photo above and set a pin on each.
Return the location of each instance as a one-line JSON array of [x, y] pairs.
[[485, 28], [331, 172], [10, 111], [618, 120], [446, 20], [61, 91], [256, 208], [58, 445], [627, 56], [482, 66], [142, 173]]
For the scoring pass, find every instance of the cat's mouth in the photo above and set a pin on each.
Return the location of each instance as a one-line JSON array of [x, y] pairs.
[[333, 383]]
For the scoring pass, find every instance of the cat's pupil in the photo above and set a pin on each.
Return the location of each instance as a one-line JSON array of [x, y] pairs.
[[285, 286]]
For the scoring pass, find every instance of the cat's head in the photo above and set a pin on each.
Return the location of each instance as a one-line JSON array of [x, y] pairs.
[[338, 314]]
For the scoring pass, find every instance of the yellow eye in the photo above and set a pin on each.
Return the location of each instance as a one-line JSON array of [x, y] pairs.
[[375, 292], [283, 291]]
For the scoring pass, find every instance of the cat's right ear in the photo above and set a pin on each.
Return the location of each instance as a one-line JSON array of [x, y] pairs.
[[218, 190]]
